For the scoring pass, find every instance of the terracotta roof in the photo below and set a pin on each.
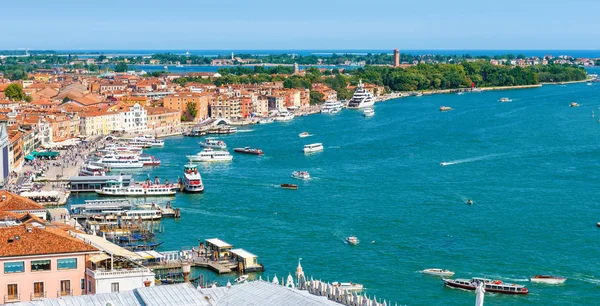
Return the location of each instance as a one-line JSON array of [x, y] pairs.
[[35, 241], [15, 202], [8, 215]]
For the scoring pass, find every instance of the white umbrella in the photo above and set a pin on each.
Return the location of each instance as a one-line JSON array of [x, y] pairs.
[[480, 294]]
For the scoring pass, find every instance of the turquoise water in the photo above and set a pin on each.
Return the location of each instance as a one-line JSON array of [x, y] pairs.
[[531, 166]]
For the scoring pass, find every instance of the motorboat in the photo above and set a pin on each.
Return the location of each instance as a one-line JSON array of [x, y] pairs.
[[438, 272], [303, 134], [505, 100], [362, 97], [213, 143], [240, 279], [460, 93], [470, 202], [348, 287], [116, 188], [496, 286], [303, 175], [192, 181], [121, 161], [289, 186], [331, 107], [284, 116], [419, 94], [266, 120], [368, 112], [313, 147], [445, 108], [352, 240], [210, 155], [548, 279], [149, 160], [248, 150], [574, 104], [476, 90], [588, 84], [445, 163], [92, 170]]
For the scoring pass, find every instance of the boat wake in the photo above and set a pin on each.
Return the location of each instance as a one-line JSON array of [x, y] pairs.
[[245, 131], [334, 147], [470, 160], [589, 280], [516, 279]]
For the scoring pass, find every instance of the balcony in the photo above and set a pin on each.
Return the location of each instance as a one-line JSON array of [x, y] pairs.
[[12, 298], [133, 272], [39, 295], [64, 293]]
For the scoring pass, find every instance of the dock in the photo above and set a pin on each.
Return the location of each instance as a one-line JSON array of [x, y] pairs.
[[91, 183]]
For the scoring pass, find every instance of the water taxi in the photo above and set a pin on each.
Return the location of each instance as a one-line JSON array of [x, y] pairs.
[[313, 147], [368, 112], [192, 181], [490, 285], [92, 170], [289, 186], [548, 279], [248, 150], [348, 287], [210, 155], [445, 108], [116, 188], [303, 175], [352, 240], [438, 272], [303, 134], [213, 143], [149, 160], [505, 100], [574, 104]]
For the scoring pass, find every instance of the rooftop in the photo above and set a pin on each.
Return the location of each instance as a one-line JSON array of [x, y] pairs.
[[12, 202], [26, 240]]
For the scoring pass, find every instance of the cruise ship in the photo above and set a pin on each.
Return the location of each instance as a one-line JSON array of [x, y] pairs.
[[362, 97]]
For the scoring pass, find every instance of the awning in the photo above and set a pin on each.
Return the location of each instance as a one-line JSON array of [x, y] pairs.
[[29, 157], [145, 255], [243, 253], [109, 247], [218, 243], [99, 257]]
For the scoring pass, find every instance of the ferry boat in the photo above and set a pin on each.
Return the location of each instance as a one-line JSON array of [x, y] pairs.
[[352, 240], [121, 161], [149, 160], [490, 285], [348, 287], [121, 148], [361, 98], [192, 181], [266, 120], [303, 134], [210, 155], [313, 147], [129, 215], [100, 207], [445, 108], [148, 141], [248, 150], [284, 116], [548, 279], [331, 107], [438, 272], [303, 175], [92, 170], [505, 100], [139, 144], [195, 133], [213, 143], [574, 104], [222, 130], [368, 112], [116, 188]]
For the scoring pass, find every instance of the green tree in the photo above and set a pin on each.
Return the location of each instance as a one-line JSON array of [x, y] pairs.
[[27, 98], [15, 92], [65, 100], [121, 67], [192, 110], [316, 97]]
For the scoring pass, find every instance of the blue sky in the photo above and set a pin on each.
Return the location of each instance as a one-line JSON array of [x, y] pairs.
[[306, 24]]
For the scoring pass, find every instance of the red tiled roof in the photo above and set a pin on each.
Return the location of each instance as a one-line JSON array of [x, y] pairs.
[[15, 202], [35, 241]]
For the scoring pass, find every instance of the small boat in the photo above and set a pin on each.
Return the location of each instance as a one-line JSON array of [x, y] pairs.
[[248, 150], [438, 272], [266, 120], [289, 186], [445, 108], [348, 286], [444, 163], [548, 279], [352, 240], [313, 147], [469, 201], [598, 224], [368, 112], [574, 104], [303, 175], [460, 93], [240, 279], [490, 285], [505, 100], [476, 90], [213, 143], [589, 84], [303, 134], [419, 94]]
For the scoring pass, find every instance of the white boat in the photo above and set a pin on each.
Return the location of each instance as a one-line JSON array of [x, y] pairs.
[[149, 160], [213, 143], [92, 170], [574, 104], [121, 148], [476, 90], [266, 120], [121, 161], [241, 279], [438, 272], [129, 215], [303, 175], [505, 100], [210, 155], [548, 279], [445, 108], [348, 286], [460, 93], [444, 163], [149, 141], [362, 97], [331, 107], [589, 84], [303, 134], [284, 116], [313, 147], [116, 188], [192, 181], [368, 112], [352, 240]]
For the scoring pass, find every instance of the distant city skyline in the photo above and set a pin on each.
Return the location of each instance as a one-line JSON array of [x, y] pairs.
[[311, 24]]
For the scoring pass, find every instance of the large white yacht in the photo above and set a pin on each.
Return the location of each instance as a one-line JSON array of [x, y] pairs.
[[121, 161], [362, 97], [192, 181], [213, 143], [210, 155], [331, 107]]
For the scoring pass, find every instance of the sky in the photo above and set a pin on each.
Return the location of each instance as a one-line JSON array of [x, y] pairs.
[[305, 24]]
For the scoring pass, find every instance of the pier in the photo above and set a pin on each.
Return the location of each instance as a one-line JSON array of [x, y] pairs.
[[91, 183]]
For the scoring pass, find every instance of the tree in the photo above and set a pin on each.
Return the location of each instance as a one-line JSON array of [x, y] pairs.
[[65, 100], [192, 110], [121, 67], [14, 92], [27, 98], [316, 97]]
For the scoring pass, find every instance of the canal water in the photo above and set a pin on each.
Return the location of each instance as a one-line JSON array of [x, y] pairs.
[[530, 166]]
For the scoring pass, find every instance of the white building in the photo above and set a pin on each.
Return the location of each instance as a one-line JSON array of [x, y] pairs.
[[135, 119]]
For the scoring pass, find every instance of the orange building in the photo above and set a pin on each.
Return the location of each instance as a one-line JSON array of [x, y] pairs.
[[179, 102]]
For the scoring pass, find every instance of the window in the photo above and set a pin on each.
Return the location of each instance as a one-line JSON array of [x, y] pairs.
[[83, 284], [67, 263], [114, 287], [65, 287], [40, 265], [12, 292], [14, 267], [38, 290], [89, 286]]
